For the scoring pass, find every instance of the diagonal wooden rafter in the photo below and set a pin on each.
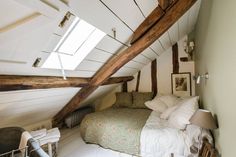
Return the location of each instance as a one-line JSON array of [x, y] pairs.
[[164, 3], [115, 63], [150, 21], [15, 82]]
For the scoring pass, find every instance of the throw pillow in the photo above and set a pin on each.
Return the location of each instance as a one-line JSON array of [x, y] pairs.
[[139, 98], [123, 99]]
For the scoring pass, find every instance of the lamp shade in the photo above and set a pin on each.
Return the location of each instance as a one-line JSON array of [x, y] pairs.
[[204, 119]]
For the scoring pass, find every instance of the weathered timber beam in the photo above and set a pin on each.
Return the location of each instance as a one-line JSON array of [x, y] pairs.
[[153, 18], [164, 3], [15, 82], [115, 63]]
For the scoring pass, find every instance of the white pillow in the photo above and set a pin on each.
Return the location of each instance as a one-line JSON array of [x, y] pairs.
[[156, 105], [165, 115], [180, 117], [169, 100]]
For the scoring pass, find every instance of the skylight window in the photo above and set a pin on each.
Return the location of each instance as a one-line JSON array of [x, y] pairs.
[[74, 46]]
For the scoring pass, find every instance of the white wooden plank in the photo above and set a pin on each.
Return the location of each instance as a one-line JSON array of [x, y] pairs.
[[165, 40], [147, 6], [133, 64], [109, 44], [141, 59], [173, 31], [87, 65], [25, 95], [52, 42], [41, 7], [125, 72], [98, 55], [193, 15], [80, 73], [157, 47], [99, 16], [24, 107], [14, 12], [25, 29], [134, 16], [149, 53], [183, 25]]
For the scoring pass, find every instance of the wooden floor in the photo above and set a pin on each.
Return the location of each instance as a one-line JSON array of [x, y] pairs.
[[72, 145]]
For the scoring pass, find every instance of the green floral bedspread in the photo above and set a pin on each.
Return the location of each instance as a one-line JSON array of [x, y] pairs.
[[115, 128]]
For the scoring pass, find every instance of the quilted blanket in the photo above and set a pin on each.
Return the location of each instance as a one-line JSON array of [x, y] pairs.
[[115, 128]]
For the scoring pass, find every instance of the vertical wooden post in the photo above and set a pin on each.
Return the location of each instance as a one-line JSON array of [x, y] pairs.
[[138, 81], [125, 87], [154, 76], [175, 58]]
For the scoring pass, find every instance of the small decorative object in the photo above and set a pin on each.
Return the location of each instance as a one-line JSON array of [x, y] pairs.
[[181, 84], [188, 48]]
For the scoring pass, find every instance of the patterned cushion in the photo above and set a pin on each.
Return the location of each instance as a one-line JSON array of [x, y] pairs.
[[123, 99], [140, 98]]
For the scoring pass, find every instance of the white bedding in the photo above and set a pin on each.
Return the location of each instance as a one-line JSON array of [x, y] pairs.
[[159, 140]]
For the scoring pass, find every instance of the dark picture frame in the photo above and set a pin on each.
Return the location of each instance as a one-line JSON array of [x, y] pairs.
[[181, 84]]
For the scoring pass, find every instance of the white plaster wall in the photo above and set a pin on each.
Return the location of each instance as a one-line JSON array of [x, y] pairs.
[[164, 70]]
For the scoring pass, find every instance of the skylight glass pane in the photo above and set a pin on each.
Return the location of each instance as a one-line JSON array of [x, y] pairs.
[[78, 41], [79, 34]]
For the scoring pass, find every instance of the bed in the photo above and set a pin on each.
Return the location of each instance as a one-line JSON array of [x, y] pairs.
[[116, 128], [140, 132]]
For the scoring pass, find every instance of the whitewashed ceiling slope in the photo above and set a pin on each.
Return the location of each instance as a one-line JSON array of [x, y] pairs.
[[22, 42]]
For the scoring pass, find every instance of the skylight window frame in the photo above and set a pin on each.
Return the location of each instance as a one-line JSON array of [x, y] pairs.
[[67, 61]]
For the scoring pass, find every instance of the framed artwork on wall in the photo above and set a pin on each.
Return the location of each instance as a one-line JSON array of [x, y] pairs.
[[181, 84]]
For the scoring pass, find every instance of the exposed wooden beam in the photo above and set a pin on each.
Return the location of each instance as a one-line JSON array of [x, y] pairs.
[[154, 76], [138, 81], [74, 104], [125, 87], [164, 3], [115, 63], [175, 58], [153, 18], [9, 82]]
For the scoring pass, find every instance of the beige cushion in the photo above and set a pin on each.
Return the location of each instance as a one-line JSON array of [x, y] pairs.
[[156, 105], [123, 99], [139, 98]]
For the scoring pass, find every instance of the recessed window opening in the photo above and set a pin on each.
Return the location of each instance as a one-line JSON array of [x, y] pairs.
[[80, 39]]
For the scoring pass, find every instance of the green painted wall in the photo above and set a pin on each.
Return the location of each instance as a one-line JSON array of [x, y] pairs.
[[216, 53]]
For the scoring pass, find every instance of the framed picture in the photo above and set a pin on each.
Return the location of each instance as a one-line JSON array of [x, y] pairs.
[[181, 84]]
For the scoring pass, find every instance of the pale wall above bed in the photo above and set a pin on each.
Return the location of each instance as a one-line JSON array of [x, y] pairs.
[[164, 70]]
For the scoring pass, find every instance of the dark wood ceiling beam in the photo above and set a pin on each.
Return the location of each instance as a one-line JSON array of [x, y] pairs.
[[164, 4], [16, 82], [115, 63], [151, 20]]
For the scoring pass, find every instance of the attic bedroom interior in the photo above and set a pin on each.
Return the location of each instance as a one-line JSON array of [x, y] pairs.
[[126, 78]]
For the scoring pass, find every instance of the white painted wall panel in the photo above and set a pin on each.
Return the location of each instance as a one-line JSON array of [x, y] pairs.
[[147, 6], [94, 12], [134, 16]]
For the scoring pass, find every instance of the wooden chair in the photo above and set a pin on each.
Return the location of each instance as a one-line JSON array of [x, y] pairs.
[[207, 150]]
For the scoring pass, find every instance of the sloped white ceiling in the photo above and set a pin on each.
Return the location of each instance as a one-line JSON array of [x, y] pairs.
[[22, 43]]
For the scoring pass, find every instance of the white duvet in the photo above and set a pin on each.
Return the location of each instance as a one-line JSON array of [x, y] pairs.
[[159, 140]]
